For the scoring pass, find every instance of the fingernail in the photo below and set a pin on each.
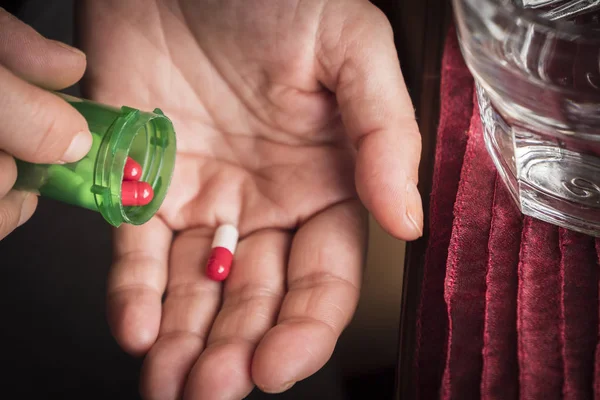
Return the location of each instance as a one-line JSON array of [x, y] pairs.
[[414, 208], [27, 208], [79, 147], [281, 389], [287, 386], [67, 47]]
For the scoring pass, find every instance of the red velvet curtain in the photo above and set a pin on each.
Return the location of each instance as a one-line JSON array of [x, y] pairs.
[[509, 304]]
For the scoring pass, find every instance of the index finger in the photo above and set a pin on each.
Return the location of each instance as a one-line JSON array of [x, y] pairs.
[[38, 126], [43, 62], [136, 284], [362, 68]]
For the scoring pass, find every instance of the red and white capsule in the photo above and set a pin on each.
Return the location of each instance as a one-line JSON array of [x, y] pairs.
[[221, 256], [136, 193]]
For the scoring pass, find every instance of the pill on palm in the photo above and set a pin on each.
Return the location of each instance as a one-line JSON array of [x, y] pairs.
[[132, 170], [222, 251], [135, 193]]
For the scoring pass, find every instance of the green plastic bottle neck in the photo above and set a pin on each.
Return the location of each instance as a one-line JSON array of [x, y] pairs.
[[150, 139]]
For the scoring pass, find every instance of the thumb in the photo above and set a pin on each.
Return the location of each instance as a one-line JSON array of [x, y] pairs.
[[361, 66]]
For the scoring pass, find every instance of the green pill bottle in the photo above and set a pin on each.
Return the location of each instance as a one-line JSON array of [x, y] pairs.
[[94, 182]]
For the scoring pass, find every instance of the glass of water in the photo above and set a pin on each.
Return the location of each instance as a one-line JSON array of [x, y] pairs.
[[537, 75]]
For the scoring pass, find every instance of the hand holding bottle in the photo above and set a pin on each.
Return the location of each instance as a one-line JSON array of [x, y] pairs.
[[37, 126]]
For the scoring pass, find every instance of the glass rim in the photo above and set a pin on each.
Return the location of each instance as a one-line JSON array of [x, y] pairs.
[[558, 28]]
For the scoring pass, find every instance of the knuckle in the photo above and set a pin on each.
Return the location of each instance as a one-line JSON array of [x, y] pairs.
[[380, 23], [368, 27]]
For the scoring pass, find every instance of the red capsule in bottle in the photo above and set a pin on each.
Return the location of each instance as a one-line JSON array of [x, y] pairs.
[[132, 170], [135, 193]]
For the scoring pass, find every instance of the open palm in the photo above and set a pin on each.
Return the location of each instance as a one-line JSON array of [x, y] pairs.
[[287, 113]]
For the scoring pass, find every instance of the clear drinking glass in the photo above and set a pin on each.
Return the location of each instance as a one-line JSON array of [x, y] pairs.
[[538, 88]]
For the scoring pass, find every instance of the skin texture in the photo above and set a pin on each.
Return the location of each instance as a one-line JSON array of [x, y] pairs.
[[292, 117], [36, 126]]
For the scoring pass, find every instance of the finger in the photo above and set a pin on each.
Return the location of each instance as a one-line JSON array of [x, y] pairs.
[[43, 62], [362, 68], [136, 284], [191, 303], [8, 171], [15, 209], [323, 282], [251, 299], [38, 126]]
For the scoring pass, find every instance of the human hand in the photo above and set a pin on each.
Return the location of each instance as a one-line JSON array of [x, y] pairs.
[[36, 125], [287, 114]]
